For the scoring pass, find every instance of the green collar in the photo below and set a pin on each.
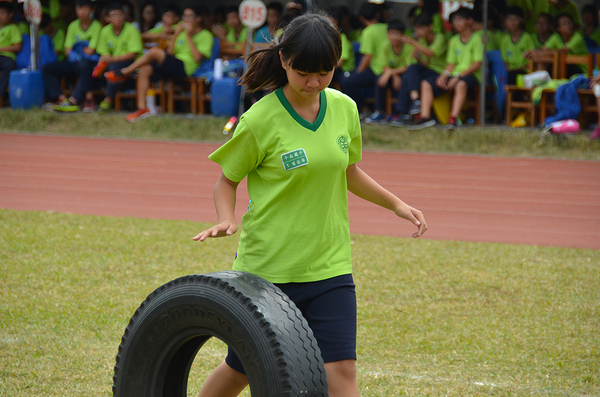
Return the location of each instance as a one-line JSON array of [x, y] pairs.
[[311, 126]]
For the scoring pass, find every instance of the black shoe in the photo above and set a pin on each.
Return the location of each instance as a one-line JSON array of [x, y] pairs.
[[423, 123], [415, 107], [403, 120]]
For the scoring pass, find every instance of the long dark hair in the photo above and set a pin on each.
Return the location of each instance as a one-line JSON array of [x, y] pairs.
[[310, 43]]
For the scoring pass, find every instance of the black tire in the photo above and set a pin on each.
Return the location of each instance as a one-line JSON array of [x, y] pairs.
[[251, 315]]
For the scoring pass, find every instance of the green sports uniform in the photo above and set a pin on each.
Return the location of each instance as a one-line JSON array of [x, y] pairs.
[[512, 53], [161, 28], [127, 42], [9, 35], [76, 33], [203, 41], [347, 54], [373, 40], [240, 39], [570, 8], [576, 46], [537, 42], [296, 228], [439, 46], [401, 59], [462, 55]]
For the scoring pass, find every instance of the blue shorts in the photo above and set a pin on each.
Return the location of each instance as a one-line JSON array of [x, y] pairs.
[[329, 306]]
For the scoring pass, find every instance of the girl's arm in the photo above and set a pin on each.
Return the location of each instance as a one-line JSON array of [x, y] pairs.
[[224, 195], [365, 187]]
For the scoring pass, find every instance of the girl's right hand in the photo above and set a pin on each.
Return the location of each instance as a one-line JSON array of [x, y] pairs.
[[221, 230]]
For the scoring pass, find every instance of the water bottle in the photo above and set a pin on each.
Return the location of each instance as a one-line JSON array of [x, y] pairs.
[[218, 69], [151, 101]]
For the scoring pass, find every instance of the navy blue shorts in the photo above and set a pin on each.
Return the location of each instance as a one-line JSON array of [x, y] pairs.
[[329, 306], [471, 81], [171, 68]]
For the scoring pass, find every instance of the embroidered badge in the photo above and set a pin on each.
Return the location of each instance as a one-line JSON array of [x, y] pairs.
[[294, 159], [343, 144]]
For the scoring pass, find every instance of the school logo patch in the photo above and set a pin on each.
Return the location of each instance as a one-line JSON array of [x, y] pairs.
[[294, 159], [343, 143]]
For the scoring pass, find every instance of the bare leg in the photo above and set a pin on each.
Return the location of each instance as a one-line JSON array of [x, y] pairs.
[[224, 382], [460, 96], [426, 99], [154, 55], [341, 378], [414, 95], [142, 85]]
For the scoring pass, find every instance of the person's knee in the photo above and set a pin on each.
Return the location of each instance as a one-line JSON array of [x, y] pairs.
[[344, 369], [145, 71]]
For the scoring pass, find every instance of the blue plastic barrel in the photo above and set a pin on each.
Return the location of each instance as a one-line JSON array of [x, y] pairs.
[[25, 89], [225, 97]]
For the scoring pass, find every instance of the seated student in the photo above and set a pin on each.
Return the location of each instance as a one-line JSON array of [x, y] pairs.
[[83, 29], [462, 71], [590, 31], [347, 62], [148, 18], [397, 57], [494, 27], [191, 44], [544, 28], [430, 54], [515, 44], [10, 45], [558, 7], [57, 35], [236, 34], [267, 33], [432, 8], [565, 40], [118, 46], [373, 40], [169, 18]]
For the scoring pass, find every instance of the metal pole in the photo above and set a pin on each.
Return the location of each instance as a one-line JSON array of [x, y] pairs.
[[33, 64], [483, 82]]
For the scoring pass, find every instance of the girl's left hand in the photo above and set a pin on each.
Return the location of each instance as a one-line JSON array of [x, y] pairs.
[[413, 215]]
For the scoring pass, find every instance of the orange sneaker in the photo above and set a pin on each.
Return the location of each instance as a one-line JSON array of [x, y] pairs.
[[115, 77], [99, 69], [138, 115]]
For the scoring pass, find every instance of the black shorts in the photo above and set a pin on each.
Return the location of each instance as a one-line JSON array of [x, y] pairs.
[[471, 81], [329, 306], [171, 68]]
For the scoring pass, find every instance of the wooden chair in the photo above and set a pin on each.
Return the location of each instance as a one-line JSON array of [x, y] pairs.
[[564, 61], [158, 87], [540, 62], [191, 90], [232, 50]]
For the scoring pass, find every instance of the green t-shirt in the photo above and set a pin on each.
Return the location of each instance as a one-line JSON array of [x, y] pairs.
[[204, 42], [347, 54], [539, 7], [240, 39], [161, 28], [462, 55], [373, 40], [595, 36], [439, 45], [9, 35], [512, 53], [127, 42], [437, 22], [75, 33], [569, 8], [401, 59], [576, 46], [296, 228], [58, 42]]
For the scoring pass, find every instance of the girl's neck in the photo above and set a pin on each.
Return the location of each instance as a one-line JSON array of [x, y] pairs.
[[515, 35], [465, 34], [307, 108], [566, 37]]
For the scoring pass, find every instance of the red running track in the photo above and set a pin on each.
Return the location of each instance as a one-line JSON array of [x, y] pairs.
[[466, 198]]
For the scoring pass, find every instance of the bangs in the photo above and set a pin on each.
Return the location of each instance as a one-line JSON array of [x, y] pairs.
[[317, 49]]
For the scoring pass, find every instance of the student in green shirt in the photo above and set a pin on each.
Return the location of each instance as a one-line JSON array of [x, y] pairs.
[[558, 7], [236, 34], [373, 40], [544, 28], [347, 62], [82, 30], [462, 71], [190, 45], [57, 36], [566, 40], [397, 57], [431, 7], [10, 45], [119, 45], [430, 54], [298, 147], [515, 44], [590, 31], [170, 17]]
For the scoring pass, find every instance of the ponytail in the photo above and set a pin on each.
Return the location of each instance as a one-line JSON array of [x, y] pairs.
[[310, 43]]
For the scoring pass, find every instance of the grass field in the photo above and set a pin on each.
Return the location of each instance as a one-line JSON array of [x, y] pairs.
[[435, 318], [491, 140]]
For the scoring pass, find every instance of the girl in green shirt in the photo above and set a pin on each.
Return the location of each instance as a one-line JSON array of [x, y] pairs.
[[298, 147]]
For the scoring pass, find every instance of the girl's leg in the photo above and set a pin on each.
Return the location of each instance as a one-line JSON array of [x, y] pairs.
[[460, 96], [426, 99], [341, 378], [143, 84], [155, 54], [224, 382]]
